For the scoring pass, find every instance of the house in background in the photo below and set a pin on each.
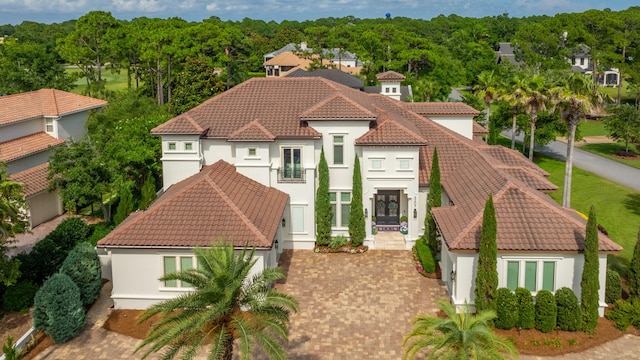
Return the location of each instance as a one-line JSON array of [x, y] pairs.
[[272, 132], [507, 54], [298, 56], [32, 124], [581, 62]]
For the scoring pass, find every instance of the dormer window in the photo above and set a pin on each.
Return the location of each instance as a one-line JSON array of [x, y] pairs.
[[171, 146], [252, 151], [188, 146], [48, 125]]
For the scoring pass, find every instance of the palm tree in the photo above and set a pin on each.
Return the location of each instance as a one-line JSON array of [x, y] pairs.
[[513, 94], [457, 336], [487, 89], [226, 305], [534, 99], [12, 206]]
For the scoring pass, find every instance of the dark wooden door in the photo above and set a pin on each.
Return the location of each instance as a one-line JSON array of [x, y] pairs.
[[387, 207]]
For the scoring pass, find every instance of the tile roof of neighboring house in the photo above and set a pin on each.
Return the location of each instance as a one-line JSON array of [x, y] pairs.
[[34, 179], [441, 108], [479, 129], [44, 102], [506, 51], [335, 75], [27, 145], [288, 58], [390, 76], [217, 204], [253, 131]]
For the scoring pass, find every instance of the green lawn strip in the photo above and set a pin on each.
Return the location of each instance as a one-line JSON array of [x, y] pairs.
[[593, 128], [114, 81], [617, 206], [609, 149]]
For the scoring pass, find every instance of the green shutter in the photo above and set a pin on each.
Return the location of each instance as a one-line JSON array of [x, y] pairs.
[[170, 267], [513, 268], [548, 275], [530, 272]]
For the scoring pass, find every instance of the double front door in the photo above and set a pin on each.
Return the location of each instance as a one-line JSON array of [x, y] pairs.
[[387, 206]]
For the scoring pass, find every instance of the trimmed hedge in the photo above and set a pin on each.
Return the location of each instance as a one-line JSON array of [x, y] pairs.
[[569, 312], [625, 313], [613, 289], [19, 296], [98, 231], [338, 241], [546, 311], [58, 310], [526, 313], [425, 257], [82, 265], [507, 309], [70, 232]]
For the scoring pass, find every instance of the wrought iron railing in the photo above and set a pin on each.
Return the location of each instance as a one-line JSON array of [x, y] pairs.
[[293, 176]]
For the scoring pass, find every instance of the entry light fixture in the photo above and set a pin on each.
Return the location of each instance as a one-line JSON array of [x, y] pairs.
[[284, 222], [366, 213], [453, 275], [415, 213]]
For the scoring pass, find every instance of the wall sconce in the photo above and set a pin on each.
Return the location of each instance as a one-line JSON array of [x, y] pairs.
[[415, 213], [366, 213], [453, 275], [284, 222], [276, 245]]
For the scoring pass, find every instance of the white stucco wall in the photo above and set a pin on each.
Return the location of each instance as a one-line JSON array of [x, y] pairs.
[[180, 163], [463, 125], [22, 128], [135, 274], [72, 126], [44, 206]]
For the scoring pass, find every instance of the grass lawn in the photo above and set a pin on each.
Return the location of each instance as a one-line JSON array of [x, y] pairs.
[[617, 207], [114, 81], [609, 149], [593, 128]]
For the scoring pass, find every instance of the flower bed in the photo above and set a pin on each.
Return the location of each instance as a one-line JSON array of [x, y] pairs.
[[342, 249]]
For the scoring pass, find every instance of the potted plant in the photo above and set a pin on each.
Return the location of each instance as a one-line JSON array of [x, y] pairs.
[[404, 225], [374, 228]]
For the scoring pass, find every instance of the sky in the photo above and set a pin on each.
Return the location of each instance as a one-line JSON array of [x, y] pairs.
[[51, 11]]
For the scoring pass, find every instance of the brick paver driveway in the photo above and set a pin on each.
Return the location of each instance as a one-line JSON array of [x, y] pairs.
[[354, 306]]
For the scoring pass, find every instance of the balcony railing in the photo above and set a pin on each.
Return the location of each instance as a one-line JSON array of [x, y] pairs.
[[291, 176]]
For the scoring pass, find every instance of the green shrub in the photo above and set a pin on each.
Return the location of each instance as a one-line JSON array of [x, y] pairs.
[[425, 257], [613, 289], [148, 192], [625, 313], [546, 311], [98, 231], [507, 309], [46, 258], [70, 232], [125, 206], [9, 349], [569, 312], [338, 241], [58, 310], [19, 296], [82, 265], [526, 314]]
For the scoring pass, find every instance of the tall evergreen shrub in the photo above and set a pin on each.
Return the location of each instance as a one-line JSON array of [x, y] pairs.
[[526, 313], [57, 309], [357, 230], [634, 270], [507, 309], [323, 205], [569, 313], [434, 200], [590, 283], [487, 272], [125, 206], [148, 193], [613, 288], [546, 311], [82, 265]]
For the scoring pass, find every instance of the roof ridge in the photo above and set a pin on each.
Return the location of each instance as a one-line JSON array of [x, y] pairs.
[[55, 102], [338, 95], [250, 124], [193, 123]]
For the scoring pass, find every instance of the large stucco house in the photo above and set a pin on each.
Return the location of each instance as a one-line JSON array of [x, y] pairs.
[[262, 140], [32, 124]]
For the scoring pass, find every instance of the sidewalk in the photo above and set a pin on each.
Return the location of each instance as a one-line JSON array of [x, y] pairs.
[[25, 242]]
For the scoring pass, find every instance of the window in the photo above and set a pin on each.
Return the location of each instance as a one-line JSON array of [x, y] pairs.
[[338, 150], [340, 208], [376, 164], [538, 275], [393, 90], [252, 152], [174, 264], [291, 163], [405, 164], [171, 146], [297, 219], [581, 61], [48, 123], [188, 146], [386, 90]]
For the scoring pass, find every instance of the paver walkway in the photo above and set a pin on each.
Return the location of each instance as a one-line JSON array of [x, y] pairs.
[[24, 242], [351, 307]]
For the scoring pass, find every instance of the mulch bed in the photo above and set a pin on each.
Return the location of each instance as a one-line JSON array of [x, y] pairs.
[[125, 322], [342, 249]]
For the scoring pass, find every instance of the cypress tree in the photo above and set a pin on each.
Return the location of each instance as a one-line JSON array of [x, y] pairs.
[[323, 205], [148, 192], [125, 207], [357, 230], [590, 278], [434, 199], [634, 270], [487, 273]]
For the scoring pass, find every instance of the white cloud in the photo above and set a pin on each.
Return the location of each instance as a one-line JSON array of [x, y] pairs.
[[144, 6]]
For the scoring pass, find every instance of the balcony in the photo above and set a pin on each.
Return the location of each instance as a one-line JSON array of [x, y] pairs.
[[291, 176]]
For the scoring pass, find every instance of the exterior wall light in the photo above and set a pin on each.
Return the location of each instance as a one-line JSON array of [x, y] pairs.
[[284, 222]]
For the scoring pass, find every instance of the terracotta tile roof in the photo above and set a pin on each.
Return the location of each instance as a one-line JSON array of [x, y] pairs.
[[253, 131], [390, 133], [502, 156], [479, 129], [527, 222], [337, 107], [441, 108], [530, 177], [181, 124], [27, 145], [288, 58], [34, 179], [390, 76], [216, 204], [44, 102]]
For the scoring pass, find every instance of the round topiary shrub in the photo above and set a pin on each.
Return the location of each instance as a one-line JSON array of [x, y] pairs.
[[546, 311], [83, 267], [569, 312], [19, 296], [70, 232], [507, 309], [526, 314], [58, 310], [613, 289]]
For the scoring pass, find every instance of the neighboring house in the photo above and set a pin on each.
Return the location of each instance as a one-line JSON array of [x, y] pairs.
[[507, 54], [273, 130], [334, 75], [290, 57], [32, 124], [581, 62], [285, 63], [390, 86]]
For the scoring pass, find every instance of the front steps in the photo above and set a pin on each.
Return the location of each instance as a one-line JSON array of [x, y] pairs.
[[389, 240]]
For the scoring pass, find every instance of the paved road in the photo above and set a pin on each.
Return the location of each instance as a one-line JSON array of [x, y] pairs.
[[606, 168]]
